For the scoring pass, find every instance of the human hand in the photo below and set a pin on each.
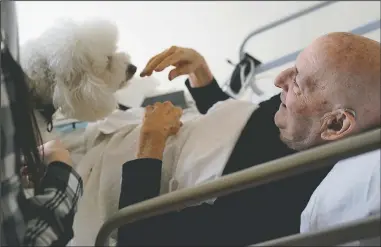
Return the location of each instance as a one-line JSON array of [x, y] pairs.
[[55, 151], [186, 62], [161, 121]]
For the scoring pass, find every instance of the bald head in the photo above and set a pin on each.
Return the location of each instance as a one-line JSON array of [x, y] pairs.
[[333, 90], [350, 72]]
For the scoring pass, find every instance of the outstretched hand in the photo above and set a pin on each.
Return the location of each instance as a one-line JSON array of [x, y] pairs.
[[186, 62]]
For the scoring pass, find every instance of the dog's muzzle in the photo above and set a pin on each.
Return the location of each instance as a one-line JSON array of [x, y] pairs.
[[131, 70]]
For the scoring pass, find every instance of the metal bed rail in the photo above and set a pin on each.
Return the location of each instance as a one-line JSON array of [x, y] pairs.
[[364, 29], [371, 26], [280, 22], [270, 171], [267, 27]]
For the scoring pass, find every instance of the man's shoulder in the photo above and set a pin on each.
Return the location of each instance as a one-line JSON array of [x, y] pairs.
[[350, 191]]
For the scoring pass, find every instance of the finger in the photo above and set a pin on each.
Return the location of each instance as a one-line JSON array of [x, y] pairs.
[[178, 111], [146, 68], [144, 71], [174, 129], [151, 67], [183, 70], [152, 64], [168, 105], [173, 59], [148, 109], [41, 149], [157, 105], [178, 126]]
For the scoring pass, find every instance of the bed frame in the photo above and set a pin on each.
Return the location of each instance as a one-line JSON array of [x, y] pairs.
[[270, 171]]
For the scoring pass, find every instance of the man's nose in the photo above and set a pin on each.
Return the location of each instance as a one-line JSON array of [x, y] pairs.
[[283, 79]]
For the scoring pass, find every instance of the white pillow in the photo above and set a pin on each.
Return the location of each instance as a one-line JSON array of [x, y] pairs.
[[350, 191]]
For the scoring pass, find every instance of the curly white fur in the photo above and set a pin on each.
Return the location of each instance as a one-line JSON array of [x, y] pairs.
[[76, 67]]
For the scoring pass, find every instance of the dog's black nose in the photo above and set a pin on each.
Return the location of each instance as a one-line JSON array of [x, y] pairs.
[[131, 69]]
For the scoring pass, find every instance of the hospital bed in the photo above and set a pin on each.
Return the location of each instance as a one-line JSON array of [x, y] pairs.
[[270, 171]]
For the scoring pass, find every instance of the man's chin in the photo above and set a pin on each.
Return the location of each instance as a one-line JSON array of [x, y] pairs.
[[282, 138], [296, 145], [286, 141]]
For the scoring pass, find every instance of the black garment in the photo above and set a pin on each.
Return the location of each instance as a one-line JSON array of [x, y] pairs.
[[247, 217]]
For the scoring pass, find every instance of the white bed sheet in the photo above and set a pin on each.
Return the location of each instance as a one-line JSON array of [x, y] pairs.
[[197, 154]]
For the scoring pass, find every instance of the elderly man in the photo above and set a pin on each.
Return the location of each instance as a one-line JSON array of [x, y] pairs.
[[333, 91]]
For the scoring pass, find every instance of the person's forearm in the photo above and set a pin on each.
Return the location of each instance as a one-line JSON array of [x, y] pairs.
[[53, 207], [205, 97], [151, 145], [140, 181], [201, 77]]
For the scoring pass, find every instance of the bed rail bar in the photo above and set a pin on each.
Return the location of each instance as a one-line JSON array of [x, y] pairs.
[[371, 26], [277, 169], [281, 21], [367, 228]]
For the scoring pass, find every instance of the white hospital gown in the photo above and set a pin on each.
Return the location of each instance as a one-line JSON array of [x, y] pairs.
[[350, 191]]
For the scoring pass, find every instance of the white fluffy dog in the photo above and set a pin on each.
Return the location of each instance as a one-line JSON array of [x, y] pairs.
[[74, 67]]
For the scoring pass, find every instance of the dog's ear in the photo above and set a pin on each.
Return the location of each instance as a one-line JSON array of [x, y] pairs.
[[76, 47], [86, 98]]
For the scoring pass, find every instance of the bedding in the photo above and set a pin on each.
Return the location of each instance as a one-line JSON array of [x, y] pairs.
[[197, 154]]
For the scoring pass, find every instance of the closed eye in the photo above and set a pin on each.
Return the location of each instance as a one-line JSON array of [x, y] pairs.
[[296, 84], [295, 75], [296, 88]]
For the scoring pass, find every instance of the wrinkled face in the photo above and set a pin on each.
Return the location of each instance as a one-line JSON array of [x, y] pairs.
[[303, 102]]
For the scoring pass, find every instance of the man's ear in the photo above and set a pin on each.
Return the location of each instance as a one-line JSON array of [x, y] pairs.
[[337, 124]]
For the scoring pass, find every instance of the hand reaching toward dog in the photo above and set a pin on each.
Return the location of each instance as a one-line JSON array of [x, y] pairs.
[[186, 62], [161, 121]]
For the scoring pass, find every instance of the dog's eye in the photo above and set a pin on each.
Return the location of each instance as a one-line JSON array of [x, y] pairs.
[[108, 65]]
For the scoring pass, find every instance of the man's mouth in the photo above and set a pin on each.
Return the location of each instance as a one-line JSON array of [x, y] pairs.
[[282, 99]]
